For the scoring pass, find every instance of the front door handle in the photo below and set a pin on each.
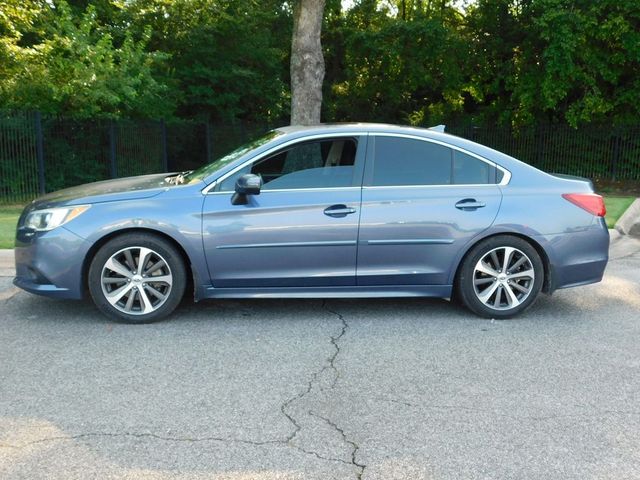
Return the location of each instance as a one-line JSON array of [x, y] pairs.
[[469, 204], [339, 211]]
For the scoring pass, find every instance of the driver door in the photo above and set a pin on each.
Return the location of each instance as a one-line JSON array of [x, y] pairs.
[[301, 230]]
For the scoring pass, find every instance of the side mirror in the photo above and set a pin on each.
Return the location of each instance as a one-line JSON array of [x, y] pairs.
[[247, 184]]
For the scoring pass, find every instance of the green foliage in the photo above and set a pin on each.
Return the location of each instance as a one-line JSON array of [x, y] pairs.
[[395, 68], [510, 62], [72, 65], [229, 58], [556, 60]]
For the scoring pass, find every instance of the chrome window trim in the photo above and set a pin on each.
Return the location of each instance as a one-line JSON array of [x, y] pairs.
[[506, 178], [458, 185], [207, 189], [310, 189]]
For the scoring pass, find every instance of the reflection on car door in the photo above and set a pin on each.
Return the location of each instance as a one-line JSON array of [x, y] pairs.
[[301, 230], [415, 220]]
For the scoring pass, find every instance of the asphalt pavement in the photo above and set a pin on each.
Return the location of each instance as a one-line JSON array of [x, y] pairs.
[[336, 389]]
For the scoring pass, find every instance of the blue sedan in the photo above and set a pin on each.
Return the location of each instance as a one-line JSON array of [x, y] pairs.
[[350, 210]]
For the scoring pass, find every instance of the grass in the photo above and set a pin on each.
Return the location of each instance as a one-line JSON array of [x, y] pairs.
[[616, 206], [9, 217], [8, 221]]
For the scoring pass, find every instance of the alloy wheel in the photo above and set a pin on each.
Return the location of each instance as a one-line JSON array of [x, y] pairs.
[[503, 278], [136, 280]]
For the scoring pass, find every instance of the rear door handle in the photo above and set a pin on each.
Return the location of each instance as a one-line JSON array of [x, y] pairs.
[[339, 211], [469, 204]]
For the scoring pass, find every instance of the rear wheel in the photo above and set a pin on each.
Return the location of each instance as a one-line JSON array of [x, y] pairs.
[[137, 278], [500, 277]]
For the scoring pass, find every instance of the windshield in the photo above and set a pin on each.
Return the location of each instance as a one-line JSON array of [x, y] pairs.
[[206, 170]]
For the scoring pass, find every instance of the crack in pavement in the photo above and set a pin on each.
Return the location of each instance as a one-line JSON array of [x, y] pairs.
[[345, 439], [329, 365], [143, 435], [314, 381]]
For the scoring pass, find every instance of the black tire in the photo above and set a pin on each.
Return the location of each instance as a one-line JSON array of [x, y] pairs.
[[471, 284], [160, 298]]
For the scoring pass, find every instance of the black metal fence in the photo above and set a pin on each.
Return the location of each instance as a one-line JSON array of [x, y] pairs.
[[41, 153], [593, 151]]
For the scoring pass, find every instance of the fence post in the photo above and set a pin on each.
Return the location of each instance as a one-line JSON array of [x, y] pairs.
[[40, 153], [165, 154], [113, 168], [207, 134], [616, 154], [539, 141]]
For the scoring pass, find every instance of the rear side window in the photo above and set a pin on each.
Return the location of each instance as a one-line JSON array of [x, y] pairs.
[[405, 161], [468, 170]]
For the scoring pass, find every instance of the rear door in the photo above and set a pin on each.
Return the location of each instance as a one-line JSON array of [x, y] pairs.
[[422, 202]]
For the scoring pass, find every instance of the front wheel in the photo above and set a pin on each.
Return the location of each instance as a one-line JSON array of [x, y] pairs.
[[500, 277], [137, 278]]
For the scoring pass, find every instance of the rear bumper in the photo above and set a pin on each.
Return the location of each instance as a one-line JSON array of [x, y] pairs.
[[50, 263], [577, 258]]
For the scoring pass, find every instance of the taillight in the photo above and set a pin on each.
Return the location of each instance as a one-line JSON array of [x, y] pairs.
[[591, 202]]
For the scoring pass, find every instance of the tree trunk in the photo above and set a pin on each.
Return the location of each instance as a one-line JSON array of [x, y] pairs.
[[307, 62]]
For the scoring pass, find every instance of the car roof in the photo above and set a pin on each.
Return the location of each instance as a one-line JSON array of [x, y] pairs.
[[358, 126]]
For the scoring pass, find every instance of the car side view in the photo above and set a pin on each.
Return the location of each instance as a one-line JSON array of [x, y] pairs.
[[348, 210]]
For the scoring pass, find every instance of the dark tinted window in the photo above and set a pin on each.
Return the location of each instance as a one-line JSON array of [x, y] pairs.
[[321, 164], [470, 170], [404, 161]]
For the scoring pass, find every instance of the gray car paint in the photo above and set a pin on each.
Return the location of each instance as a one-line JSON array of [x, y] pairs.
[[410, 241]]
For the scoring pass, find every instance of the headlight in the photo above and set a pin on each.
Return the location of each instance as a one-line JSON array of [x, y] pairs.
[[43, 220]]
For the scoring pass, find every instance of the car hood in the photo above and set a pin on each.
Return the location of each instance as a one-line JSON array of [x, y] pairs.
[[130, 188]]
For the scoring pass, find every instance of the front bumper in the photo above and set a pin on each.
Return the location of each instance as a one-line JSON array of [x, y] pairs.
[[50, 263]]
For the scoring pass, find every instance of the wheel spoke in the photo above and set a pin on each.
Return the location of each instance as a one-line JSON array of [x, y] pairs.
[[496, 301], [143, 257], [156, 293], [114, 280], [519, 262], [519, 287], [508, 253], [146, 305], [524, 274], [512, 300], [494, 259], [486, 294], [116, 295], [482, 281], [129, 304], [154, 267], [115, 266], [168, 279], [484, 268], [129, 258]]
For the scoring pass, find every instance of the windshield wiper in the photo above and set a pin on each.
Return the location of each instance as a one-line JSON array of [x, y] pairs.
[[179, 178]]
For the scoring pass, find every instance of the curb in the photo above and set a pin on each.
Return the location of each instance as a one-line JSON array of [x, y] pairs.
[[629, 222], [7, 264], [614, 235]]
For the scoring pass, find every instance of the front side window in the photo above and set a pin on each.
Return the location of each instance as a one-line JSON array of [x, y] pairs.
[[316, 164]]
